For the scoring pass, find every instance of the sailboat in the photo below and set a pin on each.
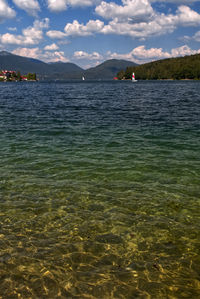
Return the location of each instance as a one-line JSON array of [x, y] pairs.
[[133, 77], [83, 78]]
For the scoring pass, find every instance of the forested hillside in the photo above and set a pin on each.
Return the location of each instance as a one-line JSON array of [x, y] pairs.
[[187, 67]]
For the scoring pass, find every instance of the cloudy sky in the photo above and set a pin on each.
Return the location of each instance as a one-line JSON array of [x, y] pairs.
[[87, 32]]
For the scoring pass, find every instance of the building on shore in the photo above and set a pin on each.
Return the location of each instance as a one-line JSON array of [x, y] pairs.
[[6, 75]]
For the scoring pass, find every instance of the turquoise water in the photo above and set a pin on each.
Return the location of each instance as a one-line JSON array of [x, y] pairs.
[[99, 190]]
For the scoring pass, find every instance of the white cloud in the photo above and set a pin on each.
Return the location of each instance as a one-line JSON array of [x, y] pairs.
[[6, 12], [153, 53], [88, 56], [182, 51], [141, 30], [143, 55], [30, 6], [140, 55], [56, 34], [134, 18], [30, 35], [82, 3], [158, 25], [187, 17], [132, 10], [176, 1], [12, 28], [28, 52], [44, 24], [9, 38], [51, 47], [196, 37], [57, 5], [77, 29], [60, 5], [37, 53], [54, 56]]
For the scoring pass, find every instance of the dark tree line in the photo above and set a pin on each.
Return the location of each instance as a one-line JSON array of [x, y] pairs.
[[181, 68]]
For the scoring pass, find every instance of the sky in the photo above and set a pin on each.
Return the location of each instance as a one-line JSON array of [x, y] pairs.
[[88, 32]]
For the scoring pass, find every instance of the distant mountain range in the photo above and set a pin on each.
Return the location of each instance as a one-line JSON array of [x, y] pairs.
[[60, 70]]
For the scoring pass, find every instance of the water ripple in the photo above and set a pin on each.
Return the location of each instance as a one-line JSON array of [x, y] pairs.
[[99, 190]]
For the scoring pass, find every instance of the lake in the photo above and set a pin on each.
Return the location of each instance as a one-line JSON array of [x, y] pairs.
[[100, 189]]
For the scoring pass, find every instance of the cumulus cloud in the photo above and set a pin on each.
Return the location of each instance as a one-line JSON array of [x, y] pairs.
[[56, 34], [158, 25], [133, 10], [141, 54], [182, 51], [57, 5], [88, 56], [187, 17], [77, 29], [134, 18], [27, 52], [30, 6], [30, 35], [6, 12], [60, 5], [142, 30], [37, 53], [51, 47], [154, 53]]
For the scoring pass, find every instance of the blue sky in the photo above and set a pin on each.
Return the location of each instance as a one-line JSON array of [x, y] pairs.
[[88, 32]]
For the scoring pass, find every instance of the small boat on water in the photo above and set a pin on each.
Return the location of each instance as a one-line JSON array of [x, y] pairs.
[[83, 78], [133, 77]]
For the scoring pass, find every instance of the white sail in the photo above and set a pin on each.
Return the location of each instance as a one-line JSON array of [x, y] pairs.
[[83, 78], [133, 77]]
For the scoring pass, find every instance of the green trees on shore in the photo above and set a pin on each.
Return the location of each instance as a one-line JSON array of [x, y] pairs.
[[18, 76], [31, 76], [181, 68]]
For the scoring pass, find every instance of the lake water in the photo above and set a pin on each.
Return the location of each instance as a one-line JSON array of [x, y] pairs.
[[100, 190]]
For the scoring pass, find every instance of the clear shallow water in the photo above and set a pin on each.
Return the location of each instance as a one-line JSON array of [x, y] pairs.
[[99, 190]]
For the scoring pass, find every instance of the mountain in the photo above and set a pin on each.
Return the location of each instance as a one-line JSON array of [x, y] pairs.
[[29, 65], [179, 68], [107, 69], [64, 71], [65, 67], [60, 70], [23, 64]]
